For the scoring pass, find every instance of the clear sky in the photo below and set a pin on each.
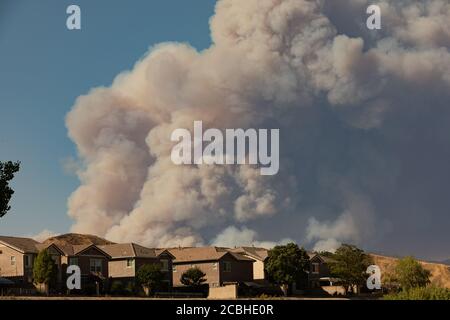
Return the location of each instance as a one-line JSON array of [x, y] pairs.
[[44, 67]]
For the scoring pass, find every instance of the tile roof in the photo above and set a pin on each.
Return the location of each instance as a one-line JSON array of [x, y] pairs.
[[254, 252], [203, 254], [24, 245], [128, 250]]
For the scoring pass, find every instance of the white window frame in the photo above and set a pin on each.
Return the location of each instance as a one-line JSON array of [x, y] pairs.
[[214, 266], [174, 268], [13, 260]]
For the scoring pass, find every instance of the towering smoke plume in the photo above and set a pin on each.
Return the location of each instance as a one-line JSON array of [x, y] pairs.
[[363, 118]]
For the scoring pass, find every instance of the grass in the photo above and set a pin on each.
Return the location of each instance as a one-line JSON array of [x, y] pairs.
[[424, 293]]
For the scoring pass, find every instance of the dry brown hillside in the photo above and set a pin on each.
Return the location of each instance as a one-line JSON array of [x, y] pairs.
[[78, 239], [440, 273]]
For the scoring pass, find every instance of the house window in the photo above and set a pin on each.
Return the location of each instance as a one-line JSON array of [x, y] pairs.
[[13, 261], [214, 266], [27, 261], [73, 261], [164, 265], [226, 266], [315, 267], [130, 263], [95, 265]]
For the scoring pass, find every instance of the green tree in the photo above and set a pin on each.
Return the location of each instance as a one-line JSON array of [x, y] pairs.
[[150, 277], [409, 274], [287, 264], [350, 265], [7, 171], [44, 269], [193, 277]]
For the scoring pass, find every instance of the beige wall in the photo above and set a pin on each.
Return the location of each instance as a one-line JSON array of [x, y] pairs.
[[226, 292], [8, 270], [334, 290], [119, 269], [258, 270], [216, 276], [212, 275]]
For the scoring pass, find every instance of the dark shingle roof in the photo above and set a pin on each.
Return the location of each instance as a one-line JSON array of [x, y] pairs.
[[128, 250], [203, 254], [24, 245], [254, 252]]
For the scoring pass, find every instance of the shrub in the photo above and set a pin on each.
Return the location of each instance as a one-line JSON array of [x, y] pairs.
[[150, 277], [411, 274], [117, 287], [193, 277], [44, 269], [420, 293]]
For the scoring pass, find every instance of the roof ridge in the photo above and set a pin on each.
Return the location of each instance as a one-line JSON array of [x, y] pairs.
[[133, 249]]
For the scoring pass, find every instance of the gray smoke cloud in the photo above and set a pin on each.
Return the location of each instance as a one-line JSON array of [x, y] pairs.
[[363, 118]]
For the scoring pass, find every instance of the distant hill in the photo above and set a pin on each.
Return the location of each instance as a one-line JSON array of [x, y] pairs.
[[446, 261], [78, 239], [440, 273]]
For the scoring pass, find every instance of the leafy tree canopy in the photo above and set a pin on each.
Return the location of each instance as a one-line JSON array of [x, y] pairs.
[[44, 268], [409, 273], [193, 277], [150, 275], [7, 171], [350, 265], [287, 263]]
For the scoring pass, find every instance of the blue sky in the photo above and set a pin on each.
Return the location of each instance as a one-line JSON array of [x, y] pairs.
[[44, 67]]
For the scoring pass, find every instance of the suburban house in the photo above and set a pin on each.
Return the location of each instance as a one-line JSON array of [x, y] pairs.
[[16, 258], [259, 256], [220, 265], [92, 260], [101, 260], [319, 270], [126, 259]]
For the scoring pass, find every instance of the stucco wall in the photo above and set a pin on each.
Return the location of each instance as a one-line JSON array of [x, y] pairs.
[[212, 275], [6, 269], [226, 292], [258, 270]]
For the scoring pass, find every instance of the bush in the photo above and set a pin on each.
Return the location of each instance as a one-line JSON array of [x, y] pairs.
[[193, 277], [420, 293], [150, 277], [409, 273], [130, 288], [117, 288], [44, 269]]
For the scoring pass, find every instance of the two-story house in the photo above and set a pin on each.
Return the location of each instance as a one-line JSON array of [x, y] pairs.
[[126, 259], [219, 264], [259, 256], [16, 259]]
